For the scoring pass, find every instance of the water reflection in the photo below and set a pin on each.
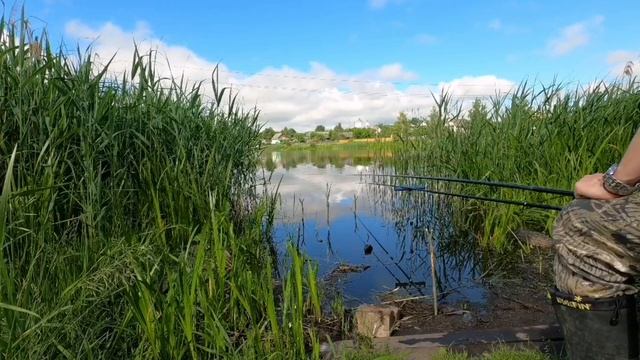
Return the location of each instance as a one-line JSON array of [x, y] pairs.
[[334, 215]]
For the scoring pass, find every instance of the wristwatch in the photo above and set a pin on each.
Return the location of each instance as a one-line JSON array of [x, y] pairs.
[[615, 186]]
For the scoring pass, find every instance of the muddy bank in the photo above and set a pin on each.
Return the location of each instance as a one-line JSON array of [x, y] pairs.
[[515, 296]]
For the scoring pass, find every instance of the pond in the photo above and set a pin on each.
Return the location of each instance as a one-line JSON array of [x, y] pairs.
[[345, 219]]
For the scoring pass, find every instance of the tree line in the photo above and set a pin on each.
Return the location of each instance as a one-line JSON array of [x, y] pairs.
[[404, 125]]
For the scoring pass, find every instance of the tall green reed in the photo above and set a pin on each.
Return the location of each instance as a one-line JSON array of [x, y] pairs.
[[540, 135], [131, 228]]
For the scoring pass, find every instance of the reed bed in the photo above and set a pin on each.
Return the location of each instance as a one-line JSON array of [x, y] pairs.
[[129, 225], [547, 135]]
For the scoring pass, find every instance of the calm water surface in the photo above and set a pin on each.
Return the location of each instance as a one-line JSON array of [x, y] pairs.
[[333, 213]]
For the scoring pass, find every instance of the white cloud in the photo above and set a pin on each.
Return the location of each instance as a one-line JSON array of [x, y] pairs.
[[574, 36], [395, 72], [469, 86], [287, 96], [425, 39], [621, 59], [622, 56]]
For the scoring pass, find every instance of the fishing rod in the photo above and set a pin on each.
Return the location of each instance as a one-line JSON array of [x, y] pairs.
[[538, 189], [472, 197]]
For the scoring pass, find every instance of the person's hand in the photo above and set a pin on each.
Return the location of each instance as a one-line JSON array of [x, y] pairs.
[[592, 187]]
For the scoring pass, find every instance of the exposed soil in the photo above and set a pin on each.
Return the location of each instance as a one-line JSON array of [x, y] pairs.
[[515, 298]]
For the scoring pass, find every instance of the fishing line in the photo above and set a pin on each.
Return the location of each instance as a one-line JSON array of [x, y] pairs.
[[388, 254], [398, 281]]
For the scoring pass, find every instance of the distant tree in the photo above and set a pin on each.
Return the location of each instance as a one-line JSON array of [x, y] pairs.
[[363, 133], [289, 132], [315, 137], [334, 135], [320, 128], [402, 125], [478, 111], [434, 115], [300, 137], [338, 127], [267, 134]]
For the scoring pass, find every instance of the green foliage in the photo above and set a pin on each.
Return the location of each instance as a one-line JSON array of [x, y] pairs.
[[329, 154], [335, 135], [289, 132], [130, 225], [363, 133], [451, 355], [478, 111], [402, 126], [367, 352], [320, 128], [385, 130], [319, 136], [549, 136], [267, 134], [501, 353], [300, 137]]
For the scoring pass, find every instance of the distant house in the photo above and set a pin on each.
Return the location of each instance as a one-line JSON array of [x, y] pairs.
[[456, 124], [361, 124], [278, 138]]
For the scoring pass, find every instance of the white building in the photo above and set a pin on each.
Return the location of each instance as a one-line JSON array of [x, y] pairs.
[[361, 124], [456, 124], [278, 138]]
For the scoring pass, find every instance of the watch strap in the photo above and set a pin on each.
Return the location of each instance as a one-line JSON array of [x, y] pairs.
[[615, 186]]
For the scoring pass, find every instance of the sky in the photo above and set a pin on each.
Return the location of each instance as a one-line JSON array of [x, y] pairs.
[[305, 63]]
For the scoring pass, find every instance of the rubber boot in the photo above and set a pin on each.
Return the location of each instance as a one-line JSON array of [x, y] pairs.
[[597, 329]]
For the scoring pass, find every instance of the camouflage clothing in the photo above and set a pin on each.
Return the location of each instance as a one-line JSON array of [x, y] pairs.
[[598, 247]]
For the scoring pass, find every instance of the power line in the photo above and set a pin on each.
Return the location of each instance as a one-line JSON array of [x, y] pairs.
[[390, 93], [331, 79]]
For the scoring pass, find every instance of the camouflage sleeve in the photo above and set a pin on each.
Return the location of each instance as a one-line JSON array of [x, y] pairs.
[[598, 247]]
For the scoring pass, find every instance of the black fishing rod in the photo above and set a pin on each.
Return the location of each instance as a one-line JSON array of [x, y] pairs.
[[538, 189], [471, 197]]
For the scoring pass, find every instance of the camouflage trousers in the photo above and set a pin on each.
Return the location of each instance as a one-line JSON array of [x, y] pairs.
[[598, 247]]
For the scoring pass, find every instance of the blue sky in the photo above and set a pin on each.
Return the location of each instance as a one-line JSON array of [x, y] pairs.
[[402, 45]]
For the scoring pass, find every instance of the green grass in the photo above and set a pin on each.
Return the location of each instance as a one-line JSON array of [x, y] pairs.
[[130, 227], [546, 135], [501, 353], [366, 351]]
